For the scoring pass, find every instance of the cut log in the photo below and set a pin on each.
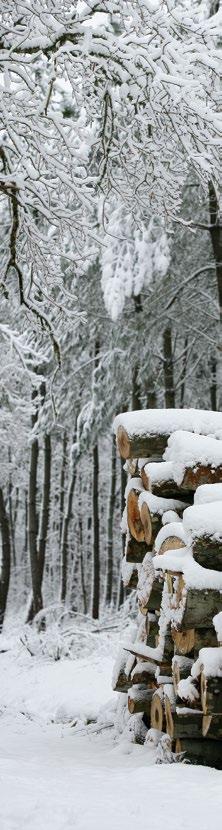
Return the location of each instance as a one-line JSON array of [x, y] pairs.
[[152, 510], [205, 752], [144, 672], [152, 628], [157, 712], [196, 459], [158, 479], [139, 700], [181, 667], [151, 524], [200, 474], [145, 433], [140, 446], [183, 725], [192, 640], [135, 551], [199, 609], [212, 727], [168, 650], [141, 652], [208, 552], [171, 543], [133, 517], [129, 574], [154, 601], [211, 695], [123, 682]]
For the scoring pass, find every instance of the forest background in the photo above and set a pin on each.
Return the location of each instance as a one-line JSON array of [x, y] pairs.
[[111, 270]]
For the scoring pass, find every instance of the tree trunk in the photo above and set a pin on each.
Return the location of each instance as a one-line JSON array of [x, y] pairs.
[[11, 522], [33, 530], [111, 507], [45, 507], [216, 239], [136, 401], [64, 537], [80, 535], [213, 386], [183, 374], [96, 540], [168, 369], [6, 559], [62, 484]]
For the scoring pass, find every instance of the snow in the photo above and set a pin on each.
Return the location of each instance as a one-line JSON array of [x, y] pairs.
[[145, 580], [170, 516], [208, 493], [187, 690], [158, 505], [127, 570], [181, 561], [186, 450], [165, 421], [209, 661], [133, 484], [158, 471], [146, 652], [217, 622], [57, 777], [200, 520], [169, 530]]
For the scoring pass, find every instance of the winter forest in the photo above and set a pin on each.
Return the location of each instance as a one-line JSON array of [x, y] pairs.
[[111, 302]]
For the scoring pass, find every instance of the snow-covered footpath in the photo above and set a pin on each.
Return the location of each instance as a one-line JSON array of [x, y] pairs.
[[63, 766]]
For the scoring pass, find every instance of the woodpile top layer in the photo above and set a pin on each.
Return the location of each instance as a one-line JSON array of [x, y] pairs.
[[145, 432]]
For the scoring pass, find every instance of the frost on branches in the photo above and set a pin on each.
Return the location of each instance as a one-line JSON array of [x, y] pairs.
[[96, 102]]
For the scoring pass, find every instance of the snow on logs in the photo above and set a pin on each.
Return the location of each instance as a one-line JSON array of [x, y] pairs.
[[196, 459], [173, 556], [203, 526], [158, 479], [145, 433], [170, 537]]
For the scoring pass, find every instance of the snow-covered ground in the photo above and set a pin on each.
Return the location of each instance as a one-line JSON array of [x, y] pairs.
[[63, 766]]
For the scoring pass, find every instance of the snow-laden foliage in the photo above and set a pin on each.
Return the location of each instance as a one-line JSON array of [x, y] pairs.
[[134, 254], [94, 100]]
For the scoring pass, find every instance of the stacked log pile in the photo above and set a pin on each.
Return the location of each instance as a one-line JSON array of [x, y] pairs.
[[172, 668]]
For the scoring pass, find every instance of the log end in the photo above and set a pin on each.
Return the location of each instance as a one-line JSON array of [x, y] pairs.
[[123, 443]]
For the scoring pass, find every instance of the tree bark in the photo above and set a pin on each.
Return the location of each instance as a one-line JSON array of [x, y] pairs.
[[44, 524], [204, 752], [139, 700], [168, 369], [62, 484], [64, 537], [111, 507], [6, 559], [33, 528], [11, 522], [191, 640], [213, 386], [216, 239], [96, 536], [136, 401]]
